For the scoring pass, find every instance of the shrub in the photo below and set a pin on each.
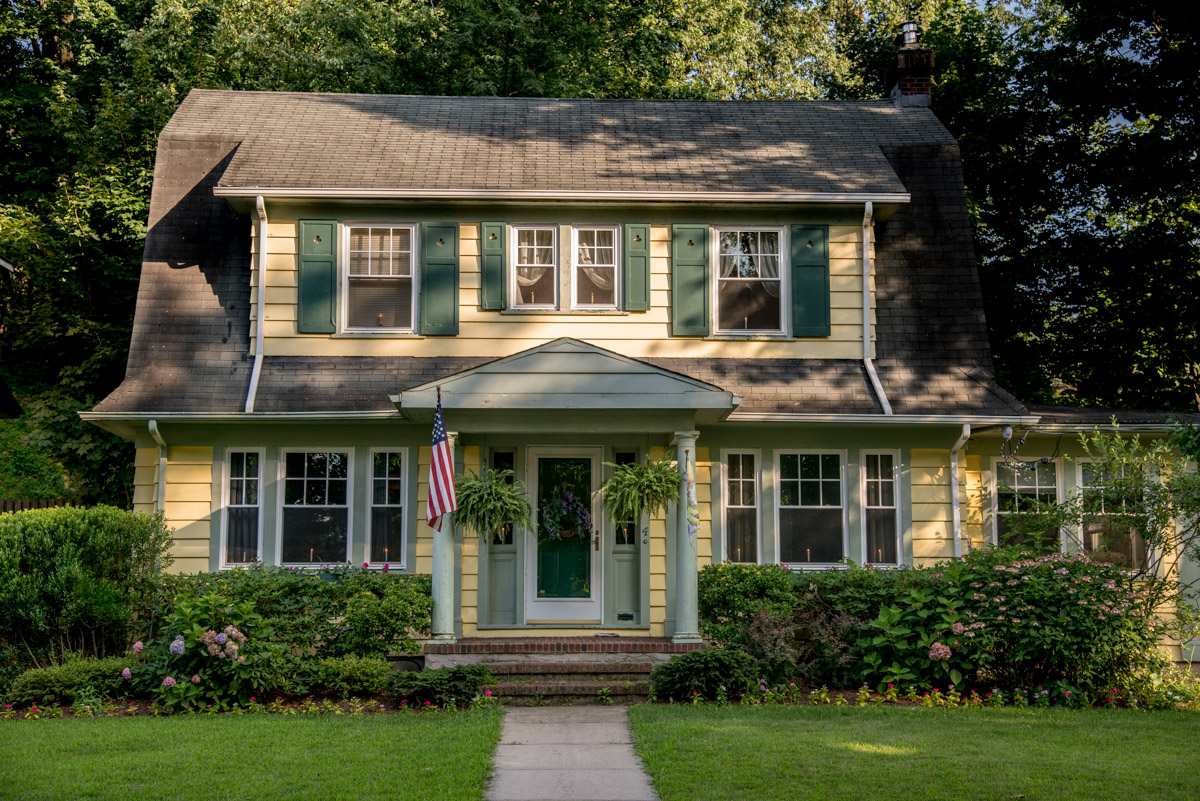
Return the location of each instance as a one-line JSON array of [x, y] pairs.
[[383, 619], [62, 684], [71, 578], [730, 595], [441, 686], [703, 673], [352, 676]]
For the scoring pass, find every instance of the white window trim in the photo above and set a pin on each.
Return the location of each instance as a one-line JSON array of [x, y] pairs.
[[778, 488], [616, 232], [784, 283], [226, 475], [513, 292], [393, 564], [344, 276], [895, 454], [1059, 494], [758, 501], [280, 506]]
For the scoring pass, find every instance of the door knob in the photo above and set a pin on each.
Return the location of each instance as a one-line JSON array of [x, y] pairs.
[[596, 539]]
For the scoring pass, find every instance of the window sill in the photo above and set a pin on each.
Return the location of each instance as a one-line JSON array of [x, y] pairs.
[[583, 312], [748, 337], [376, 335]]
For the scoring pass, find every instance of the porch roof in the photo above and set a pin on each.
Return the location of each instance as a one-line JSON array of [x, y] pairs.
[[568, 375]]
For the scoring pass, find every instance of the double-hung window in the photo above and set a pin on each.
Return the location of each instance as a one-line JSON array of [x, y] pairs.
[[1113, 508], [741, 507], [594, 278], [243, 508], [881, 517], [750, 281], [1018, 490], [379, 292], [385, 543], [535, 267], [812, 512], [315, 518]]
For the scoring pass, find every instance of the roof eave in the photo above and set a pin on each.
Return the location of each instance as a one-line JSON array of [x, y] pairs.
[[535, 195]]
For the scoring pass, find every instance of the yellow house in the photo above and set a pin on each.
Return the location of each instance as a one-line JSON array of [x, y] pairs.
[[780, 295]]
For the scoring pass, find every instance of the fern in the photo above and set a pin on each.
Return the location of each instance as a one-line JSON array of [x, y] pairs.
[[489, 503], [636, 488]]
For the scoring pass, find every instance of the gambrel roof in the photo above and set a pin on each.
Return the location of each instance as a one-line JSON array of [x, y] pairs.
[[191, 351]]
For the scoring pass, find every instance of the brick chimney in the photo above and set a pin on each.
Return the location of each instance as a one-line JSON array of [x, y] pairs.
[[914, 69]]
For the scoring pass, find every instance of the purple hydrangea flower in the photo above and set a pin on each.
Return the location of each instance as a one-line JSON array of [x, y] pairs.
[[176, 646], [137, 647], [221, 638], [127, 674], [168, 682]]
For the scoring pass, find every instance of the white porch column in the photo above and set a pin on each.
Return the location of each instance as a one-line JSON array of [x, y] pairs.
[[687, 619], [441, 624]]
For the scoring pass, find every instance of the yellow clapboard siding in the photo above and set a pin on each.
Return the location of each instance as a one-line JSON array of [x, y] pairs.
[[425, 564], [274, 313], [190, 548], [279, 228], [930, 458], [189, 455], [468, 247], [931, 493], [195, 493], [189, 473], [281, 245], [933, 549], [941, 512], [468, 231], [660, 233], [143, 508], [930, 530], [145, 457], [187, 510], [146, 475], [278, 295], [658, 581], [144, 494]]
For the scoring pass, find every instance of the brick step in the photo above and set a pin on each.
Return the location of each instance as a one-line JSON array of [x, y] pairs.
[[573, 671], [570, 691], [561, 645]]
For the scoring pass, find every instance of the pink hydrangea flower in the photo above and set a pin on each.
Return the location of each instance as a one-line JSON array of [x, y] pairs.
[[127, 674], [939, 652], [957, 628], [168, 682], [137, 647], [195, 679]]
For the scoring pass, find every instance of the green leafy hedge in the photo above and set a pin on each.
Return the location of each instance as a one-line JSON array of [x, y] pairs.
[[343, 677], [704, 676], [440, 687], [730, 595], [62, 684]]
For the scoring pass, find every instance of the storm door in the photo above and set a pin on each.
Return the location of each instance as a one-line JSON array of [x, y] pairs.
[[563, 561]]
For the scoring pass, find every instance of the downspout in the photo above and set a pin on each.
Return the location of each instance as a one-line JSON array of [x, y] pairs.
[[956, 506], [160, 502], [866, 310], [261, 306]]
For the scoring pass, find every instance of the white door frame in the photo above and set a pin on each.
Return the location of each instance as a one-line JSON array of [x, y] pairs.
[[565, 610]]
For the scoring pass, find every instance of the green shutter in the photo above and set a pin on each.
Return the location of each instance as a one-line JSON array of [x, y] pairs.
[[317, 278], [439, 279], [689, 280], [635, 262], [810, 280], [493, 281]]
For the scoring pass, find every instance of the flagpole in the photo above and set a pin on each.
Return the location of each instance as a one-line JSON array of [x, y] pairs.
[[440, 501]]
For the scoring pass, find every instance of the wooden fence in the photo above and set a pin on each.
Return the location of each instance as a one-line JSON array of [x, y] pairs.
[[21, 504]]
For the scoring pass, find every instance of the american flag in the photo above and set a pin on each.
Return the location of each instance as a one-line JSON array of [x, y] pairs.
[[442, 500]]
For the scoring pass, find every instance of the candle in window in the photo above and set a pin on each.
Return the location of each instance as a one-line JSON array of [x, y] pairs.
[[745, 322], [879, 554], [808, 554], [385, 556], [593, 298], [739, 554], [310, 554]]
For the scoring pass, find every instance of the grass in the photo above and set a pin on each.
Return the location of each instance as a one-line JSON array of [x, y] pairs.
[[828, 753], [436, 757]]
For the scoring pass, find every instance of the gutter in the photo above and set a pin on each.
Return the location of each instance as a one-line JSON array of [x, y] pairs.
[[261, 306], [866, 310], [956, 505], [347, 193], [160, 502]]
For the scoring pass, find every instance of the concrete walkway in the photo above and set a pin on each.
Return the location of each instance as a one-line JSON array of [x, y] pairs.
[[568, 753]]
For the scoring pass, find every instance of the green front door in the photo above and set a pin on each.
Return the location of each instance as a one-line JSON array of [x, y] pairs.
[[564, 584]]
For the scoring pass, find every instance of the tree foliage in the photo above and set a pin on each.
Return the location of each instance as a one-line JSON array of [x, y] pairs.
[[1077, 122]]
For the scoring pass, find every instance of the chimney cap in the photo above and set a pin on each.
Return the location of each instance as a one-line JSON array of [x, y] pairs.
[[910, 33]]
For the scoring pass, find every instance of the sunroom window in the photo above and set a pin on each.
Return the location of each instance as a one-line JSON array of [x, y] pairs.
[[379, 280], [811, 513], [749, 280], [316, 516]]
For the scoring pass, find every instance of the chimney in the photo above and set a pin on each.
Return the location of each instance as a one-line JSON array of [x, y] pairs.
[[914, 68]]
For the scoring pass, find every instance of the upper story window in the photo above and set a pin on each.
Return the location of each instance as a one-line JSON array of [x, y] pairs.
[[749, 281], [535, 273], [594, 277], [379, 293]]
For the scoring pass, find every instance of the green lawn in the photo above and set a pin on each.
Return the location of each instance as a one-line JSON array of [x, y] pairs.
[[895, 753], [426, 757]]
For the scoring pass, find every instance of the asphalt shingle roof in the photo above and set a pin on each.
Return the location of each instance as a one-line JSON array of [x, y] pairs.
[[393, 141], [190, 348]]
